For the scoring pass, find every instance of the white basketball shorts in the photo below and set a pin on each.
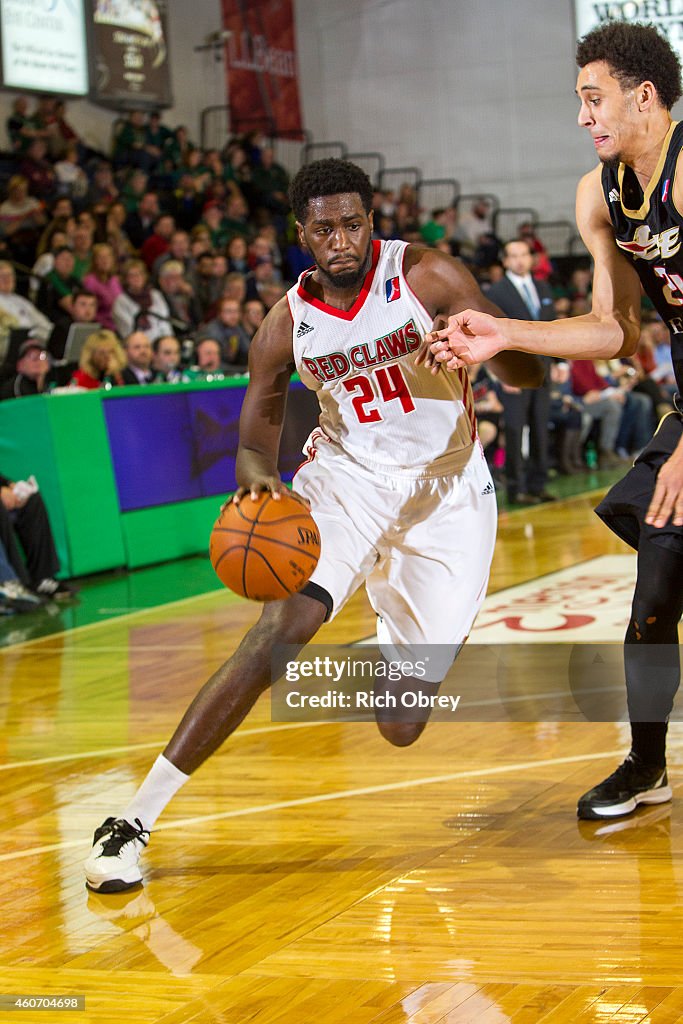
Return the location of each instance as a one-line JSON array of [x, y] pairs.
[[422, 546]]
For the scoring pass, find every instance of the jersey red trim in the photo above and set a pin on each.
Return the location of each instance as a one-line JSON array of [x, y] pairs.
[[343, 314], [311, 449], [468, 401], [417, 298]]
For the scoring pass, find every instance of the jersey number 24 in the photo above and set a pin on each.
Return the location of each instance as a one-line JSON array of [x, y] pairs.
[[392, 384]]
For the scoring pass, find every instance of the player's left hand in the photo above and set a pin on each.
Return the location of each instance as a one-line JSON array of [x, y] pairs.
[[667, 501], [469, 337]]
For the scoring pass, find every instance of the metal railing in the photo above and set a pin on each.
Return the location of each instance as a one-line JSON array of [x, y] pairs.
[[577, 247], [433, 193], [408, 175], [215, 128], [556, 236], [506, 220], [293, 151], [372, 163], [320, 150]]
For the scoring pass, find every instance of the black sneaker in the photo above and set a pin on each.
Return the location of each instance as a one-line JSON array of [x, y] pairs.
[[113, 862], [631, 784]]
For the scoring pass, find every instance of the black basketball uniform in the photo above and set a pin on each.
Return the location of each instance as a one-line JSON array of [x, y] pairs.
[[649, 231]]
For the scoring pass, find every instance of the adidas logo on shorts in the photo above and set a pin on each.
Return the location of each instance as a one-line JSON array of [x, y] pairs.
[[304, 328], [489, 489]]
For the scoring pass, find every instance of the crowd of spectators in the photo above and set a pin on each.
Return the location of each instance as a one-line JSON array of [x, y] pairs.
[[157, 237], [175, 253]]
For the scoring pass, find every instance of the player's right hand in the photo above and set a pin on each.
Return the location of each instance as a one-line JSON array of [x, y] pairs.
[[469, 337], [273, 484]]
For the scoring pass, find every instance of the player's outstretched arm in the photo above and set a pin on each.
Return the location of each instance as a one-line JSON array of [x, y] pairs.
[[271, 362], [611, 328], [445, 287]]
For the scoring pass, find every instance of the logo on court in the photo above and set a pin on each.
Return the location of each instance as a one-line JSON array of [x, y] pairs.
[[304, 328], [392, 289]]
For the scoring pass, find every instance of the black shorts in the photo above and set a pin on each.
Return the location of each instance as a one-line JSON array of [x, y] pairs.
[[624, 507]]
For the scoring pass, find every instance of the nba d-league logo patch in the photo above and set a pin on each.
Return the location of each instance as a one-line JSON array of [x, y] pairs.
[[392, 289]]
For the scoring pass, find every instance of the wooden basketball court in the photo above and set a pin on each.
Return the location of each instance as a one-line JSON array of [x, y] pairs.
[[313, 873]]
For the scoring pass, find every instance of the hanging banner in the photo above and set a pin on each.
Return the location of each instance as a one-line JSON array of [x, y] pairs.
[[261, 67], [130, 54]]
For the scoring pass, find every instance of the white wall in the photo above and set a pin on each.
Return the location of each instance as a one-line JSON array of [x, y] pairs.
[[479, 90], [197, 79]]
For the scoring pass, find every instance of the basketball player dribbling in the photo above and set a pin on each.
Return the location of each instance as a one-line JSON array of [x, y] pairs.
[[395, 477], [629, 210]]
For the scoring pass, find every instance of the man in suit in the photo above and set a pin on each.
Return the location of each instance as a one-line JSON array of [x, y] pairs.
[[139, 352], [521, 297]]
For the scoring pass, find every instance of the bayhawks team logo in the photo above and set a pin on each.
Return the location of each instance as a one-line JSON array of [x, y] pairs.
[[392, 289], [652, 247]]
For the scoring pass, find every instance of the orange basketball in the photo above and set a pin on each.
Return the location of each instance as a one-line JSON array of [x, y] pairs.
[[265, 549]]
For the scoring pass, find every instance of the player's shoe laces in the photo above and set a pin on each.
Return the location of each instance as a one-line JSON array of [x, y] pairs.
[[631, 784], [113, 862]]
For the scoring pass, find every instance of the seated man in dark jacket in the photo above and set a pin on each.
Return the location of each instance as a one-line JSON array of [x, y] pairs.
[[23, 515], [34, 374]]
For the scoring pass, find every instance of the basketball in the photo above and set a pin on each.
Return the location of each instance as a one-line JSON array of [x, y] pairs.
[[265, 549]]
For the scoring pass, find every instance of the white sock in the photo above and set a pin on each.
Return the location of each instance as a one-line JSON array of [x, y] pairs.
[[161, 785]]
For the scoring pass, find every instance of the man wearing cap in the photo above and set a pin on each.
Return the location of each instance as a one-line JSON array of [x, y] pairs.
[[33, 371]]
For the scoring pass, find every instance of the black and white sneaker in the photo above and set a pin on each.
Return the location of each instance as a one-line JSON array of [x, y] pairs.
[[113, 862], [16, 596], [55, 590], [633, 783]]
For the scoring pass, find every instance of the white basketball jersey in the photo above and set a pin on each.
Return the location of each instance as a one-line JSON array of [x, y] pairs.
[[381, 408]]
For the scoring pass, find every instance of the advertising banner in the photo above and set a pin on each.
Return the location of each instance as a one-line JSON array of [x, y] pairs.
[[667, 15], [130, 54], [44, 46]]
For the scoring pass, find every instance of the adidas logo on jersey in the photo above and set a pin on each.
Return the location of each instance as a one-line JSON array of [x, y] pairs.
[[304, 328], [489, 489], [614, 196]]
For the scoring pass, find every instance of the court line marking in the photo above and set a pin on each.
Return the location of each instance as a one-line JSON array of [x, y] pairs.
[[114, 619], [208, 593], [284, 726], [123, 647], [158, 744], [320, 798], [127, 616]]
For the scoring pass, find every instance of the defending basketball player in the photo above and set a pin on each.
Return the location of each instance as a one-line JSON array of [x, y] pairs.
[[397, 483], [628, 210]]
